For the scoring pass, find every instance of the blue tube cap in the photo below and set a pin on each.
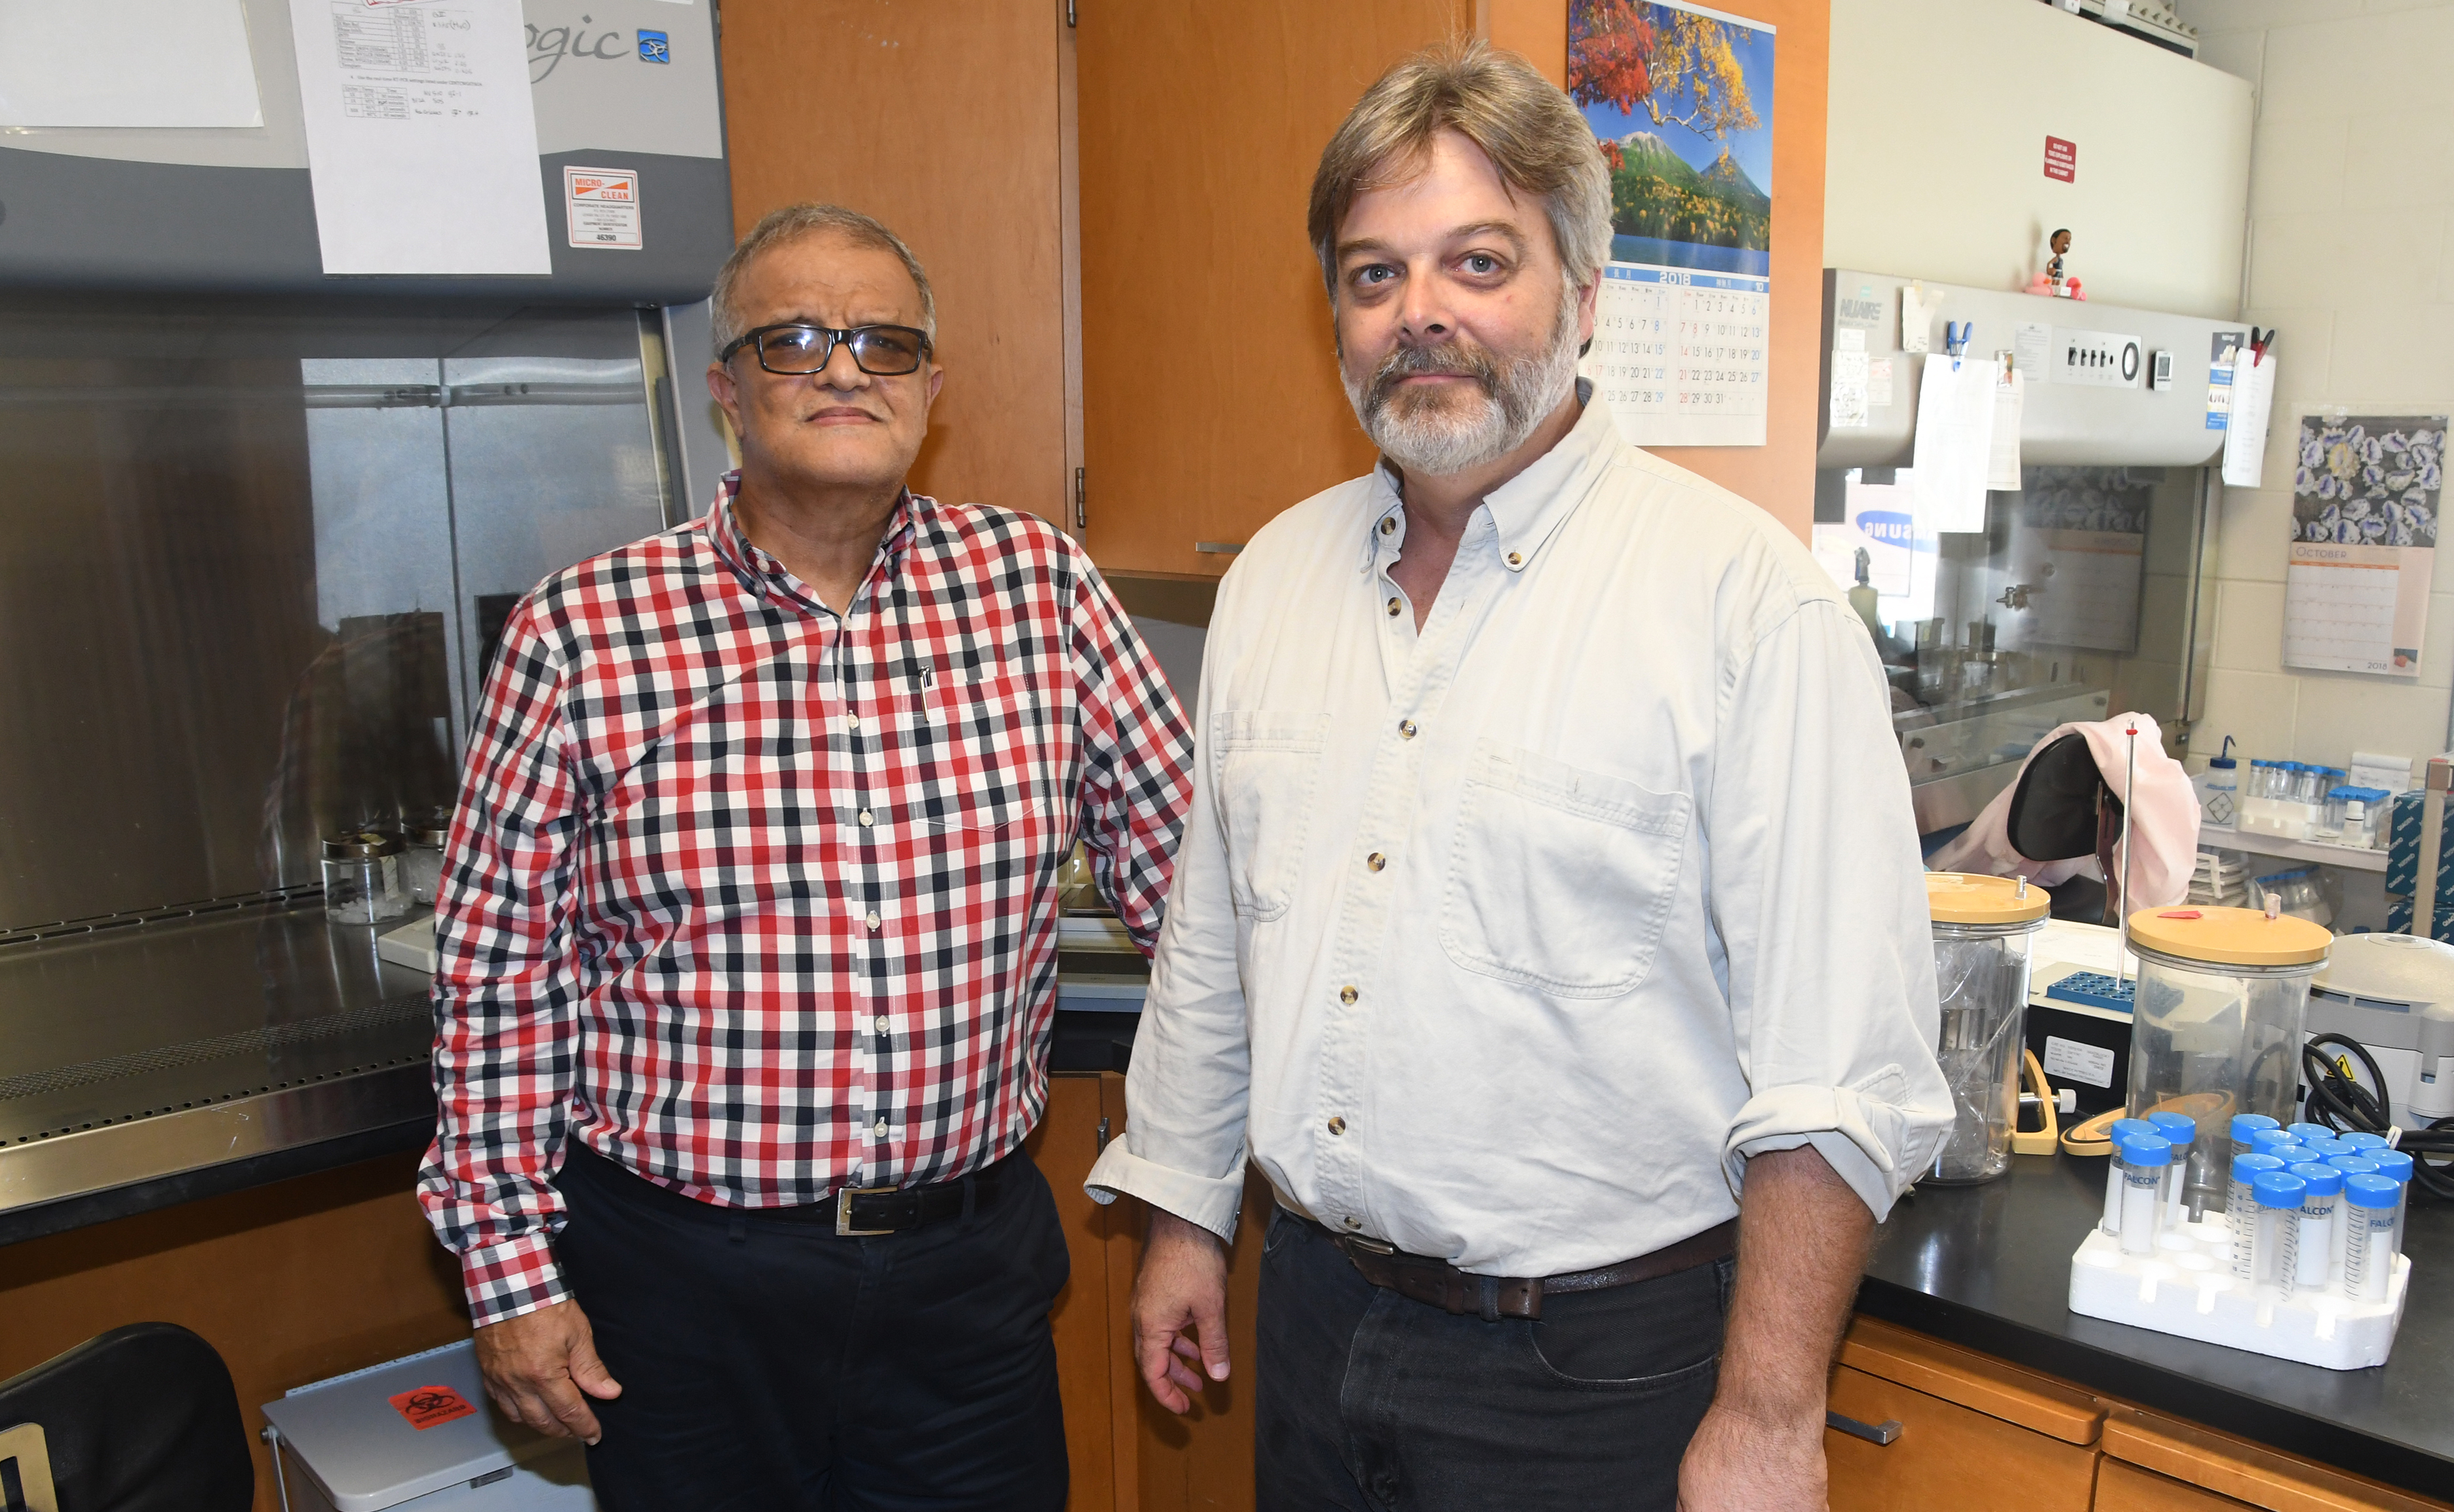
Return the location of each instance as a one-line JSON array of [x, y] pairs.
[[2278, 1189], [2324, 1181], [2125, 1128], [2246, 1124], [2179, 1128], [2306, 1132], [2268, 1139], [2371, 1192], [2148, 1149], [2362, 1140], [2353, 1165], [2323, 1148], [2291, 1152], [2246, 1168], [2392, 1164]]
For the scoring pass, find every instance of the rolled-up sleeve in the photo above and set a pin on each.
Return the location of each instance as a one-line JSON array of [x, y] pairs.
[[1182, 1148], [1818, 895]]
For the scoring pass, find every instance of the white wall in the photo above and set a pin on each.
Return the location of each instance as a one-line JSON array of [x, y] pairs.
[[2350, 204], [1940, 110]]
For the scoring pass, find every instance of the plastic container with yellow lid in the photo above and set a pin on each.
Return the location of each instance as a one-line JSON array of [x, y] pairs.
[[1982, 929], [2215, 1029]]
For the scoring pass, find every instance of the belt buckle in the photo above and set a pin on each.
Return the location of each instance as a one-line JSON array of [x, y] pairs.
[[843, 1211]]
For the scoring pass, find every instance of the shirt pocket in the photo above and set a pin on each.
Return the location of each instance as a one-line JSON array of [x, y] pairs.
[[1268, 763], [1560, 878], [983, 755]]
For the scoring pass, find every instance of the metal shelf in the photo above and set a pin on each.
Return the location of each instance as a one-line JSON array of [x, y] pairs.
[[2225, 838]]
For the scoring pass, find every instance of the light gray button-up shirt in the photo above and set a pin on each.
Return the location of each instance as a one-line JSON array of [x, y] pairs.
[[1510, 941]]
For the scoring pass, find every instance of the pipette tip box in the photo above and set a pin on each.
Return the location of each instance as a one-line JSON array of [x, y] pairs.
[[2187, 1287], [2095, 988]]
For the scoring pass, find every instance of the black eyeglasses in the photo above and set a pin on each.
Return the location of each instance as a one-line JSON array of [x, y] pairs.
[[884, 352]]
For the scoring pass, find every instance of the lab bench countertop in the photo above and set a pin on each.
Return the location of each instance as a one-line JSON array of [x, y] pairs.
[[1988, 1267]]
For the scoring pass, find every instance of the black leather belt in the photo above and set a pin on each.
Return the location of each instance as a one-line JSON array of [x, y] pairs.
[[854, 1211], [1438, 1283]]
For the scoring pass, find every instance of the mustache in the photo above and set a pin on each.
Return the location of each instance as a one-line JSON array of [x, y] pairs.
[[1451, 358]]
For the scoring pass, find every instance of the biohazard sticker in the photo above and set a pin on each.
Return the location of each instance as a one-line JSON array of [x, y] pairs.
[[428, 1405]]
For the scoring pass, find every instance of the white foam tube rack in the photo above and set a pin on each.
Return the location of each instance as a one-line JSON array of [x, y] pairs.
[[2187, 1287]]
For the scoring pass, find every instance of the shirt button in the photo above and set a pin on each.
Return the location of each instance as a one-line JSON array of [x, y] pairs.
[[868, 818], [1515, 560], [878, 1130], [1376, 860], [852, 719], [1392, 609], [1347, 996], [1354, 1222], [881, 1022], [1389, 526], [872, 919], [1405, 727], [1337, 1126]]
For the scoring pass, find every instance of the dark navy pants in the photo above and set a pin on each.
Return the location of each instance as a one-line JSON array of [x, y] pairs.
[[769, 1366], [1370, 1402]]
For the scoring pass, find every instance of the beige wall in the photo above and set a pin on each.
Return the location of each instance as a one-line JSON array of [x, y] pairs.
[[2351, 201], [1939, 111]]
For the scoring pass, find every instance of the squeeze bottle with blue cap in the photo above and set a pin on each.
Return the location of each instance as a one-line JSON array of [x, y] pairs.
[[2396, 1167], [2275, 1249], [2244, 1127], [2122, 1129], [2369, 1204], [2240, 1209], [2183, 1131], [2146, 1157], [2321, 1187]]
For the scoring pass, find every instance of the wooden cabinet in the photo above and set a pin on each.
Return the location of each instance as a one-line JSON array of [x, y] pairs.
[[2155, 1464], [1974, 1433]]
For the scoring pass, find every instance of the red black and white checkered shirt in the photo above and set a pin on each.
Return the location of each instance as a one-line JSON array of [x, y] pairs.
[[760, 901]]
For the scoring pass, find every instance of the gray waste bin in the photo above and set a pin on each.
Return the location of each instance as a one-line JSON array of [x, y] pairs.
[[417, 1434]]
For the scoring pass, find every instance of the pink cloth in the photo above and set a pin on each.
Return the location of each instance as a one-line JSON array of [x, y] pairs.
[[2163, 821]]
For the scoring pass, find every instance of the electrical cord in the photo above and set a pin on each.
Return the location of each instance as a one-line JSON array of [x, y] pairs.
[[2340, 1101]]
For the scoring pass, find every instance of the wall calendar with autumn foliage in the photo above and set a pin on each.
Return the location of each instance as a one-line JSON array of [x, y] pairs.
[[1681, 99]]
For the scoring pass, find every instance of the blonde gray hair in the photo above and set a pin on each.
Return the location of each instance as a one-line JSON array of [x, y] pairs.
[[807, 218], [1522, 122]]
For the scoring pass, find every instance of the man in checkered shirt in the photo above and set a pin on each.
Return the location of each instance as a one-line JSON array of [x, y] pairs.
[[749, 950]]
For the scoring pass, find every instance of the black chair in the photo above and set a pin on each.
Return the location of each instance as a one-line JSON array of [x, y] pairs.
[[2061, 810], [141, 1418]]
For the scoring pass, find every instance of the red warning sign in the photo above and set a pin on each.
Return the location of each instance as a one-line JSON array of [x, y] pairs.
[[428, 1405], [2061, 159]]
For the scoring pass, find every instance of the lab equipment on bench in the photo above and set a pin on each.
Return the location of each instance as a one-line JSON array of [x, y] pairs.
[[2122, 1129], [1982, 929], [419, 1435], [2217, 1027]]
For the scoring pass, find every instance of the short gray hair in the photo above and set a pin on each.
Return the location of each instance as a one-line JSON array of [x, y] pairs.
[[807, 218], [1526, 125]]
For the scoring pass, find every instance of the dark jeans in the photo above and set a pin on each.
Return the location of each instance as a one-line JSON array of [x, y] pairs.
[[773, 1366], [1369, 1401]]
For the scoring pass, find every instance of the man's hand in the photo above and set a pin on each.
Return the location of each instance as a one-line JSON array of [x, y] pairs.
[[1803, 1241], [1738, 1462], [1180, 1310], [538, 1364]]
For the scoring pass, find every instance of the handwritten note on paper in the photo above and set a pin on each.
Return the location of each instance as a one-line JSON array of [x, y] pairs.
[[421, 136], [2364, 498], [2245, 420], [1954, 440], [2002, 456]]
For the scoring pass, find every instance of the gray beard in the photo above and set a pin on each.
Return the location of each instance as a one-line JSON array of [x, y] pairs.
[[1438, 439]]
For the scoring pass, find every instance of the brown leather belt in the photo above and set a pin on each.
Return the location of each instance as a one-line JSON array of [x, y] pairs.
[[1441, 1285]]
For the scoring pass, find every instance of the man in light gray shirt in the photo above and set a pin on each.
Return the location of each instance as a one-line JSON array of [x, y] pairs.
[[1549, 920]]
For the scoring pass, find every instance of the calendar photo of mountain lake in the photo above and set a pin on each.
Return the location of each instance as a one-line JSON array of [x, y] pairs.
[[1681, 99]]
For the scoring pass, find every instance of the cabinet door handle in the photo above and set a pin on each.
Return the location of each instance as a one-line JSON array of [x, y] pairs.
[[1103, 1136], [1874, 1433]]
